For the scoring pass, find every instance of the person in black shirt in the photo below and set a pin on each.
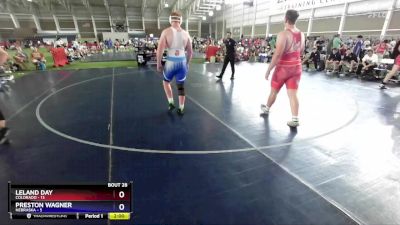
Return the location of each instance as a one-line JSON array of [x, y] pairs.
[[333, 60], [314, 57], [349, 61], [229, 56], [319, 44]]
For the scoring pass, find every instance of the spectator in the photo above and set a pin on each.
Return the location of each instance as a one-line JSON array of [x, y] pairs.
[[343, 49], [38, 59], [381, 49], [20, 59], [328, 46], [369, 62], [367, 43], [269, 53], [319, 44], [358, 47], [220, 55], [333, 61], [350, 42], [392, 44], [309, 45], [349, 62], [337, 42], [314, 58], [117, 44], [110, 43], [58, 43], [272, 43]]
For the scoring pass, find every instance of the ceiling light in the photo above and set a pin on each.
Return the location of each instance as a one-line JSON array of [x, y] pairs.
[[204, 17], [29, 0], [166, 5], [218, 7], [211, 13]]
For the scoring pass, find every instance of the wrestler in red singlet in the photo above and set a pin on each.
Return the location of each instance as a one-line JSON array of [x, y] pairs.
[[397, 61], [288, 70], [286, 58], [396, 66]]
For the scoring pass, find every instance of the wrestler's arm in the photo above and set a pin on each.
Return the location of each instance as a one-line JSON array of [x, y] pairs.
[[280, 47], [189, 49], [161, 47]]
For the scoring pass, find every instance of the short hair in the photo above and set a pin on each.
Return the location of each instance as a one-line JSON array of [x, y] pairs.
[[176, 13], [370, 50], [359, 36], [334, 49], [228, 32], [291, 16]]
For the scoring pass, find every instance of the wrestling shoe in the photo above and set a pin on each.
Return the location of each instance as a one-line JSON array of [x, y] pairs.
[[293, 123], [264, 109], [171, 106], [180, 111], [382, 86]]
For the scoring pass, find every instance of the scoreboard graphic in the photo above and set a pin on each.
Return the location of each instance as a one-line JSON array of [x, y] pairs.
[[112, 201]]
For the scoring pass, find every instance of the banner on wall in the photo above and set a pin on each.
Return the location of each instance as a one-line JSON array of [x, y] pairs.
[[281, 6]]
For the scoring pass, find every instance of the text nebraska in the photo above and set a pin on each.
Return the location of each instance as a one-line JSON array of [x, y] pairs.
[[43, 205]]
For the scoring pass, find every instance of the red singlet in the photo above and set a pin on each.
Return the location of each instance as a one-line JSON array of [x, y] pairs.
[[288, 69]]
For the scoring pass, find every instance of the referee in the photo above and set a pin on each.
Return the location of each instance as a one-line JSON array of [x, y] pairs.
[[229, 56]]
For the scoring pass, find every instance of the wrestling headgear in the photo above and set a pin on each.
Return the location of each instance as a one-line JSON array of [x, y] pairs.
[[175, 19]]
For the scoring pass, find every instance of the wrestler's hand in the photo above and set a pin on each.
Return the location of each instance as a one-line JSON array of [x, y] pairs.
[[267, 74]]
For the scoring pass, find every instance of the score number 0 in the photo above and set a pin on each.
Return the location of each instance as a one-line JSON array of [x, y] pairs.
[[121, 194]]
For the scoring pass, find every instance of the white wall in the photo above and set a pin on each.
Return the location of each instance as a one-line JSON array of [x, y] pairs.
[[237, 15], [114, 36]]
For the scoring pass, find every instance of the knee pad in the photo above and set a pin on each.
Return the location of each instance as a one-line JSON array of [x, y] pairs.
[[181, 89]]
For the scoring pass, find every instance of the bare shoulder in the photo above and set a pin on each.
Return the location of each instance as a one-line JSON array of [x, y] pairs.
[[166, 31], [186, 32], [283, 34]]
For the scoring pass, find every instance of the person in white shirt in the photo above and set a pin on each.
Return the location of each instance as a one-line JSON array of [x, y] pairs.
[[392, 45], [367, 43], [58, 43], [75, 44], [369, 62]]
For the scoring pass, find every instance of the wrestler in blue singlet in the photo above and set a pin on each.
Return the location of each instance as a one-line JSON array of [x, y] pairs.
[[176, 65]]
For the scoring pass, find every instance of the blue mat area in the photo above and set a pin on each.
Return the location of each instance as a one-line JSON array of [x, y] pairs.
[[278, 175]]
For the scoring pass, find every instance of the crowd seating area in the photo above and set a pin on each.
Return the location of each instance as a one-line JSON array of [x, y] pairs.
[[348, 58], [23, 54], [337, 55]]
